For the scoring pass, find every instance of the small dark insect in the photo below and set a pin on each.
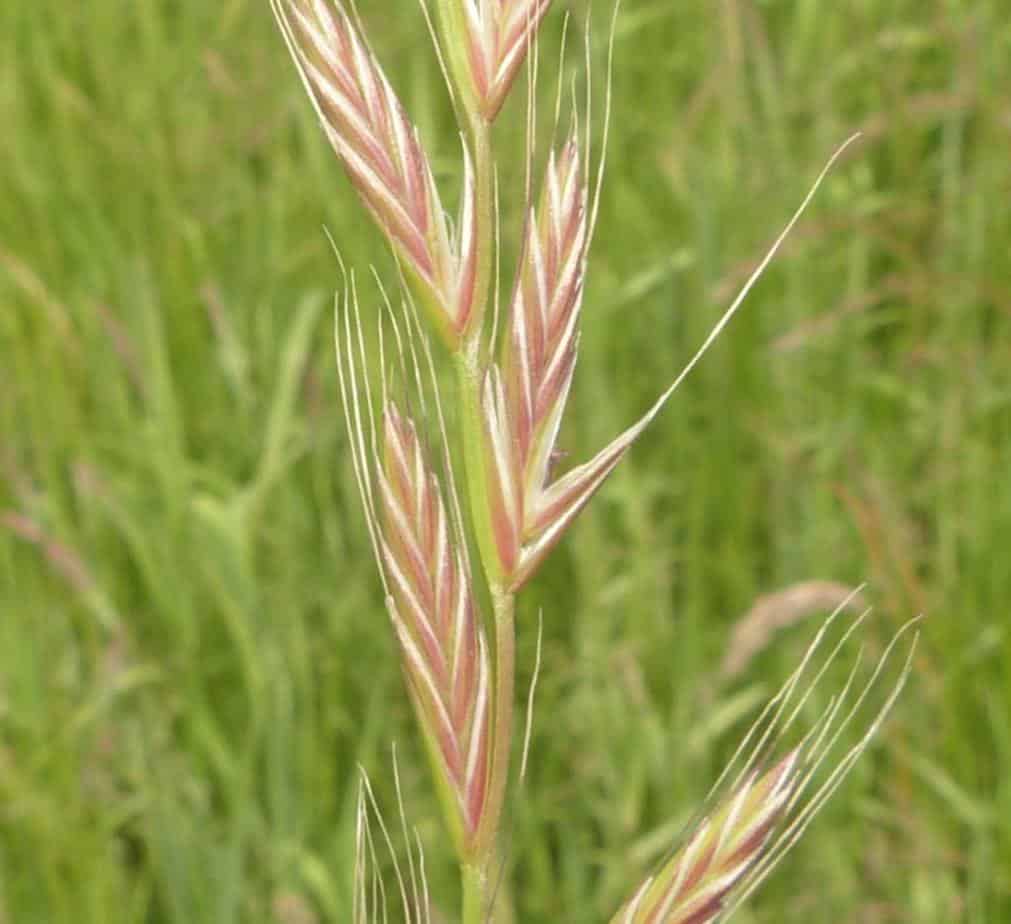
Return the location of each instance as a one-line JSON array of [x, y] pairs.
[[557, 457]]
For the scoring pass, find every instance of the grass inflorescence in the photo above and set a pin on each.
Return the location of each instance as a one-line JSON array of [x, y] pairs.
[[183, 565]]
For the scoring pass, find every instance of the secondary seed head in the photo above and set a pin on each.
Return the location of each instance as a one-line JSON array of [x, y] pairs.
[[693, 885]]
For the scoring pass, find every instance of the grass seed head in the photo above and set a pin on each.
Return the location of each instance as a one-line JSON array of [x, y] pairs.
[[384, 159], [499, 33], [436, 619], [732, 850], [693, 885], [525, 398]]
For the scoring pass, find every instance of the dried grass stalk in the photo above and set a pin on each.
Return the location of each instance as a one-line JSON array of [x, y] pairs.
[[776, 611]]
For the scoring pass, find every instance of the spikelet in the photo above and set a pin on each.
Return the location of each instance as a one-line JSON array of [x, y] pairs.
[[426, 576], [383, 156], [523, 404], [499, 32], [434, 614], [731, 851], [540, 353], [693, 886]]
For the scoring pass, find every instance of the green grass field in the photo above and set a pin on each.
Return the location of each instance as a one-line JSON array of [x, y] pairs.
[[194, 655]]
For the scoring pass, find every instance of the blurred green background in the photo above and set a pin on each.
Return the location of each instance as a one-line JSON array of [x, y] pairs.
[[194, 658]]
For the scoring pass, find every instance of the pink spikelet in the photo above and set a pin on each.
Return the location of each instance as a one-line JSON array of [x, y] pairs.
[[720, 854], [435, 617], [541, 350], [499, 32], [524, 402], [521, 429], [384, 159]]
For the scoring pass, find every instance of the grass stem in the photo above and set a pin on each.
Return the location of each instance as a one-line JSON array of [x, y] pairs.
[[474, 882], [505, 656]]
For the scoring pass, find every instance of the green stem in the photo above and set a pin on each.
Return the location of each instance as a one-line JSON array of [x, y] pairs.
[[471, 361], [469, 375], [474, 897], [470, 367], [505, 679], [503, 603], [486, 898], [479, 140]]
